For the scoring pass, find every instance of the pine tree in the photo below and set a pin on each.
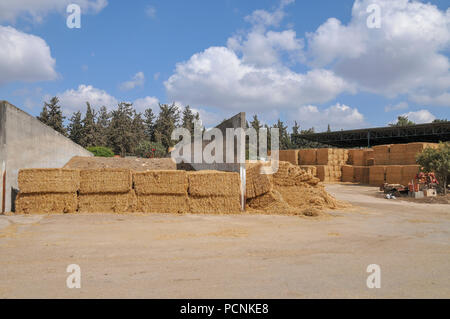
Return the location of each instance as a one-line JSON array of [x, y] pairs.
[[256, 124], [120, 133], [285, 140], [90, 133], [52, 116], [102, 124], [167, 121], [138, 130], [188, 119], [149, 123], [76, 128], [328, 128]]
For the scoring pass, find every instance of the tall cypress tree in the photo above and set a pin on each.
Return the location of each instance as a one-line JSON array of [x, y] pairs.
[[90, 133], [166, 122], [102, 124], [76, 128], [120, 133], [149, 118], [188, 119]]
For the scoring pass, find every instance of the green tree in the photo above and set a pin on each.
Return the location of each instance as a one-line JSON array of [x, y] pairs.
[[52, 116], [295, 128], [75, 127], [328, 128], [285, 139], [90, 133], [440, 121], [149, 123], [437, 160], [403, 121], [101, 151], [149, 149], [187, 120], [167, 121], [102, 125], [138, 129], [120, 134]]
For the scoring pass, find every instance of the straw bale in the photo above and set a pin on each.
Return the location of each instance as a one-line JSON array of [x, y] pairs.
[[377, 175], [174, 204], [107, 202], [324, 156], [347, 173], [361, 174], [307, 156], [48, 180], [44, 203], [214, 183], [370, 162], [214, 204], [255, 182], [289, 175], [160, 182], [290, 156], [356, 157], [105, 180], [394, 174]]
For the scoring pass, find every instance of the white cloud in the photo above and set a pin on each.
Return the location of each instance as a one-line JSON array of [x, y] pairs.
[[218, 78], [24, 57], [339, 116], [396, 107], [438, 100], [75, 100], [263, 18], [138, 80], [402, 57], [150, 11], [419, 117], [36, 10], [146, 102]]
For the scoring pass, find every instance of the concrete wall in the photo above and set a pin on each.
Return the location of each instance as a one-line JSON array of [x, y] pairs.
[[25, 142]]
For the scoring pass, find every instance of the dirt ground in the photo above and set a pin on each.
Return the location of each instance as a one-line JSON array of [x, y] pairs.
[[234, 256]]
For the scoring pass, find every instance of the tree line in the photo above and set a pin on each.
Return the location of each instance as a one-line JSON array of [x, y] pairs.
[[128, 132]]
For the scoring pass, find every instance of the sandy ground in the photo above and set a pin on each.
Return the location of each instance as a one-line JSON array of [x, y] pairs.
[[238, 256]]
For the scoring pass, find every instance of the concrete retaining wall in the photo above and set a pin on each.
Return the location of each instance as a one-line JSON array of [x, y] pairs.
[[25, 142]]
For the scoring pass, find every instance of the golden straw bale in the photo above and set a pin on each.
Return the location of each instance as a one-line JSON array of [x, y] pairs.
[[361, 174], [377, 175], [394, 174], [170, 204], [290, 156], [160, 182], [255, 182], [214, 204], [214, 183], [409, 173], [311, 169], [44, 203], [48, 180], [105, 180], [347, 173], [307, 156], [107, 202]]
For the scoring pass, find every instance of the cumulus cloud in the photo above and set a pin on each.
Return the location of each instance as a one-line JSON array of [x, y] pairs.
[[404, 56], [36, 10], [24, 57], [218, 78], [339, 116], [137, 80], [146, 102], [419, 117], [73, 100]]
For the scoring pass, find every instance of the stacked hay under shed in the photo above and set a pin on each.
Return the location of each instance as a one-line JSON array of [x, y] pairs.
[[47, 190], [106, 190]]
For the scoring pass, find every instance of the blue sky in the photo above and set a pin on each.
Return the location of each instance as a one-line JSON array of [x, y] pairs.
[[316, 62]]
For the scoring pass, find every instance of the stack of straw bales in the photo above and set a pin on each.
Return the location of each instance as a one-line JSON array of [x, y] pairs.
[[47, 191], [214, 192], [311, 169], [329, 173], [332, 156], [398, 154], [357, 157], [368, 157], [106, 190], [164, 191], [393, 174], [361, 174], [409, 173]]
